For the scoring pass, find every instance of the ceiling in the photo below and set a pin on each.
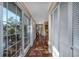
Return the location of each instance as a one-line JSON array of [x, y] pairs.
[[39, 10]]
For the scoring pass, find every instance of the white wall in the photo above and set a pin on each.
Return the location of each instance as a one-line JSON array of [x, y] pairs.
[[33, 34]]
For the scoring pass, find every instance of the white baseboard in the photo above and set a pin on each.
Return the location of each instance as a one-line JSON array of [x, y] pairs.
[[26, 50], [55, 52]]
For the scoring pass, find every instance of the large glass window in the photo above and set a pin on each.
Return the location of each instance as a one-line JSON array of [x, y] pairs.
[[12, 29], [5, 40], [26, 31]]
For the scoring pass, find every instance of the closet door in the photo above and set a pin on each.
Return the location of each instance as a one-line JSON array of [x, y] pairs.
[[75, 28], [65, 42]]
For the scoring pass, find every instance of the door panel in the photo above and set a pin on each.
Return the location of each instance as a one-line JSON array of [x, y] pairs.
[[65, 42]]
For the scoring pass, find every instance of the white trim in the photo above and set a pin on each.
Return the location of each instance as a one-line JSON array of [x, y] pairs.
[[70, 25], [31, 34], [1, 29], [52, 6], [55, 53], [59, 27], [50, 37], [22, 33]]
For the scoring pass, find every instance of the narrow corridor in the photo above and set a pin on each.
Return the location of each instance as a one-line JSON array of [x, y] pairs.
[[39, 29]]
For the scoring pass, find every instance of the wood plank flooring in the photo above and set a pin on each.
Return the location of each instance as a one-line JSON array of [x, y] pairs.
[[39, 49]]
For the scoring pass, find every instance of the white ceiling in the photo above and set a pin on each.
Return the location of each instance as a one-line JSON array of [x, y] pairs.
[[39, 10]]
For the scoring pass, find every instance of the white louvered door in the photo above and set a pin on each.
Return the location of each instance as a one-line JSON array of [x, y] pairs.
[[75, 28]]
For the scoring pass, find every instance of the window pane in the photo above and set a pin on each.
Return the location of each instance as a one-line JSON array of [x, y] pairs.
[[25, 30], [19, 22], [12, 29], [4, 12], [25, 36], [25, 42], [12, 7], [5, 41], [11, 39], [4, 18], [11, 18], [19, 45], [19, 37], [18, 53], [4, 28], [5, 44], [12, 51], [18, 25], [5, 52]]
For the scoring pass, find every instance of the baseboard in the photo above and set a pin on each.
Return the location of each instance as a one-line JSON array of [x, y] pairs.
[[26, 50], [55, 52]]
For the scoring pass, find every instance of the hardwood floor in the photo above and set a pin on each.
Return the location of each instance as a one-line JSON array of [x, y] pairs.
[[39, 49]]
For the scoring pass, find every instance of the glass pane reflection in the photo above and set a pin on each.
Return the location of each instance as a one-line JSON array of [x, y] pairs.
[[12, 31], [12, 51], [11, 40], [5, 52], [5, 43]]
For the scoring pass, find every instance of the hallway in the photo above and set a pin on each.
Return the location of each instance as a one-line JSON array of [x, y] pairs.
[[39, 29]]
